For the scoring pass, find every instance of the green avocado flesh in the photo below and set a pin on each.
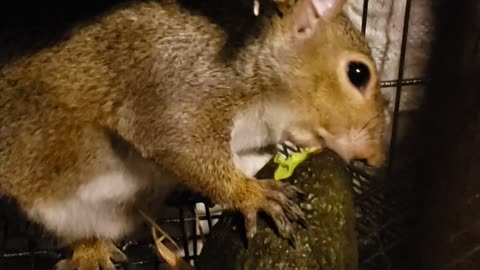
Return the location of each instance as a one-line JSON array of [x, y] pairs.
[[329, 243]]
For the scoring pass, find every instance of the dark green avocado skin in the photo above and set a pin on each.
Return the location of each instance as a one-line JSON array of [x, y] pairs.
[[329, 242]]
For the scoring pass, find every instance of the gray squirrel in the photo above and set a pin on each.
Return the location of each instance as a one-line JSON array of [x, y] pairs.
[[155, 93]]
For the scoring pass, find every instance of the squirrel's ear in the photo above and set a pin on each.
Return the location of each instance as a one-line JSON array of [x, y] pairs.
[[307, 15]]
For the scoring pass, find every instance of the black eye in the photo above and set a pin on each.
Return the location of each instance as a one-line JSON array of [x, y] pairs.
[[358, 74]]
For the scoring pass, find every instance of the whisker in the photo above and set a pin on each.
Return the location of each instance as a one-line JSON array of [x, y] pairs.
[[366, 124], [365, 127], [372, 128], [370, 134], [377, 127], [374, 121], [374, 135]]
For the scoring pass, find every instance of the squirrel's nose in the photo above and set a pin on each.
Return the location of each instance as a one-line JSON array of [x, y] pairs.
[[374, 155], [371, 165], [375, 160]]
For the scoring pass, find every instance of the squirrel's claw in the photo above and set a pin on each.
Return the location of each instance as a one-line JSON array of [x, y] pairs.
[[279, 203], [250, 223], [93, 255]]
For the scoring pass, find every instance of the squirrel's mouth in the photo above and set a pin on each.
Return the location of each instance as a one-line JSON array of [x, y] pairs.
[[360, 166], [355, 147]]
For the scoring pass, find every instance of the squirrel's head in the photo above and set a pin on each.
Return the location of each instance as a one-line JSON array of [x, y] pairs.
[[331, 86]]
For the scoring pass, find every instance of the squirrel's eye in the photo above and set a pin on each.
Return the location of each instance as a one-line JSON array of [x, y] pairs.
[[358, 74]]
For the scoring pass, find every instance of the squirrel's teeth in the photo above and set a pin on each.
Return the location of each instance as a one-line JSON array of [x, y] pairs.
[[286, 149]]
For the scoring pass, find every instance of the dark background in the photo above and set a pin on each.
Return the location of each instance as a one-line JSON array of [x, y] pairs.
[[448, 174]]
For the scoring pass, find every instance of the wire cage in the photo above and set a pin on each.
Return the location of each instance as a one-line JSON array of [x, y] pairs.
[[381, 214]]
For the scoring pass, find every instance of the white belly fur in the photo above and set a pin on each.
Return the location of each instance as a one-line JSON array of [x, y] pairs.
[[250, 164], [95, 209]]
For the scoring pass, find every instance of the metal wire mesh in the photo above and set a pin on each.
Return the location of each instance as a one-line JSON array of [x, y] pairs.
[[380, 214], [24, 246]]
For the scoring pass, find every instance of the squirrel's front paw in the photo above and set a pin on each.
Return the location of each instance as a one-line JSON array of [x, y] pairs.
[[93, 255], [278, 200]]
